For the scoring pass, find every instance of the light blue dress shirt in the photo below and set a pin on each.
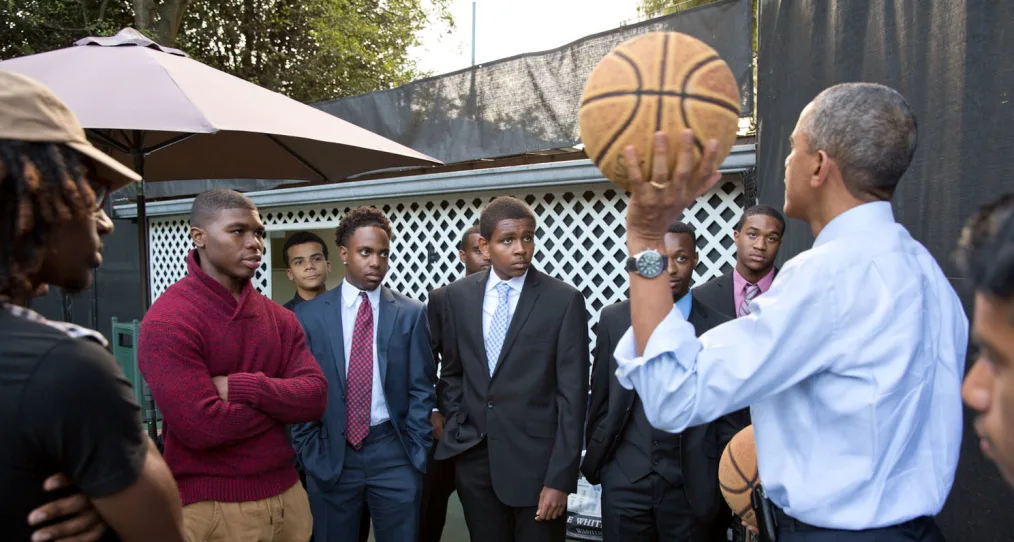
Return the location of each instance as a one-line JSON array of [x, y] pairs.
[[851, 365], [684, 305]]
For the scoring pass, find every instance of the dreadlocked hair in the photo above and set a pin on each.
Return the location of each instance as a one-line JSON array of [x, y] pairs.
[[42, 185]]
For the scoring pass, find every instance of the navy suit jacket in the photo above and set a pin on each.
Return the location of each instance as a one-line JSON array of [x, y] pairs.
[[406, 369]]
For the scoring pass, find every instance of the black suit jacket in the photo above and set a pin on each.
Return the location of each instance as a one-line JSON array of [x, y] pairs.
[[611, 407], [532, 408], [719, 293], [435, 314]]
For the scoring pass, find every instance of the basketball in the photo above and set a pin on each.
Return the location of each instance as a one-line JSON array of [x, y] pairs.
[[659, 81], [737, 474]]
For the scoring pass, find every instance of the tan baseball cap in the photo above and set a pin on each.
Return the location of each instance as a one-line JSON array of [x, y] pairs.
[[31, 112]]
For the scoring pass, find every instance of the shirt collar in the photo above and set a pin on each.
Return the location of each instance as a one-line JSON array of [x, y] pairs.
[[684, 304], [516, 283], [72, 330], [738, 282], [350, 294], [863, 217]]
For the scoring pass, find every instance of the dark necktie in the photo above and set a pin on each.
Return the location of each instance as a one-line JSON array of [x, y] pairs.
[[359, 381]]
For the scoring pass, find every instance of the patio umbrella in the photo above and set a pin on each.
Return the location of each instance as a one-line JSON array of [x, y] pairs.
[[173, 118]]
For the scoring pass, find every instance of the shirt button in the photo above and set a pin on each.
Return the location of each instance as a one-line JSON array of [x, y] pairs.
[[489, 404]]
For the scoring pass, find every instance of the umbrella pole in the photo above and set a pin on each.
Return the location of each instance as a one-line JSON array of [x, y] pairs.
[[150, 417]]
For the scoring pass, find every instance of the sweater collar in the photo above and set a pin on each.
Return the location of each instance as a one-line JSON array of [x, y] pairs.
[[217, 290]]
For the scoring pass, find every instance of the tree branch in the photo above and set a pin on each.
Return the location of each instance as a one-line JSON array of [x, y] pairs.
[[102, 11]]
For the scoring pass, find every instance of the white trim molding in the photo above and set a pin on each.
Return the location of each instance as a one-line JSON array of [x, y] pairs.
[[516, 178]]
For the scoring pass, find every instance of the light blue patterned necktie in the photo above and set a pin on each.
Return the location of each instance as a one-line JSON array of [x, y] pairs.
[[498, 326]]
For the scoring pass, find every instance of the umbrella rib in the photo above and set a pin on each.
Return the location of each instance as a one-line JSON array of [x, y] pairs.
[[296, 155], [109, 141], [167, 143]]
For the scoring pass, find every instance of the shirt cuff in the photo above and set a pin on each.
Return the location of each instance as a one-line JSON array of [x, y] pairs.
[[244, 388], [673, 335]]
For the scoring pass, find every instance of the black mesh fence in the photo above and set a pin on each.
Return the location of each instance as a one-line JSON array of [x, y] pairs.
[[529, 103], [951, 60]]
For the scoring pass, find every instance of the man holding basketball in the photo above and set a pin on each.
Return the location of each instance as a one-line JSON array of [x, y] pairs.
[[851, 363]]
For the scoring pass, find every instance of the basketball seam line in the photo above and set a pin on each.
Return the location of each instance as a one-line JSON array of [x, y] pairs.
[[633, 114], [734, 491], [683, 103], [750, 481], [663, 93], [661, 81]]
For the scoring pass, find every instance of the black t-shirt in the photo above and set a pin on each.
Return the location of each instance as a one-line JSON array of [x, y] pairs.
[[65, 406]]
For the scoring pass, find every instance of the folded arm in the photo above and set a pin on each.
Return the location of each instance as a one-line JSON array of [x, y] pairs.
[[299, 395], [80, 412], [170, 359], [571, 397], [684, 381], [149, 510]]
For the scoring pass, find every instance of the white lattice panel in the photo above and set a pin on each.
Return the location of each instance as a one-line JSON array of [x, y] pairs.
[[168, 245], [580, 238]]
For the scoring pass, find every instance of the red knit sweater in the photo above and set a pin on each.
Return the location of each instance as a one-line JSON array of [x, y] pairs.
[[236, 450]]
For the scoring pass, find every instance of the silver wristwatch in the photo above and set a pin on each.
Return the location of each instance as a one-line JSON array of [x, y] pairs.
[[649, 263]]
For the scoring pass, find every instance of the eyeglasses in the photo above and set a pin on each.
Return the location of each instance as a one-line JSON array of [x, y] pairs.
[[101, 191]]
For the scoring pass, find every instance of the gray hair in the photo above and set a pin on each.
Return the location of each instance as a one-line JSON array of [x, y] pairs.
[[870, 132]]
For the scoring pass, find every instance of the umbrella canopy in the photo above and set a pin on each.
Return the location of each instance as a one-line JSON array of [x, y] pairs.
[[198, 122], [172, 118]]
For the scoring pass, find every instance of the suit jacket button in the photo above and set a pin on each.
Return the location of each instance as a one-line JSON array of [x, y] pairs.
[[489, 404], [654, 444], [343, 432]]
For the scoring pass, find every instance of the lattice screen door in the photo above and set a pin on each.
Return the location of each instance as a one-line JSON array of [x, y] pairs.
[[580, 238]]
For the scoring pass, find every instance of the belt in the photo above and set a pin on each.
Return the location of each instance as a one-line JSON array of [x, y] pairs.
[[790, 523], [785, 521]]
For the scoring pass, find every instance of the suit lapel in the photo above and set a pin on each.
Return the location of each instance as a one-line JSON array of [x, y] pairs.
[[622, 325], [473, 323], [698, 317], [729, 285], [335, 331], [529, 295], [385, 327]]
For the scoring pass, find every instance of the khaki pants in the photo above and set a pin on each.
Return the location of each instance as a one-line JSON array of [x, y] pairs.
[[282, 518]]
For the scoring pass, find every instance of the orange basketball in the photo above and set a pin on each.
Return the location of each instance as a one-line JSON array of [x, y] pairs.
[[737, 474], [659, 81]]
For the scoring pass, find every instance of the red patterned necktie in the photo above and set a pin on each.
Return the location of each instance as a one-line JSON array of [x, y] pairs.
[[359, 380]]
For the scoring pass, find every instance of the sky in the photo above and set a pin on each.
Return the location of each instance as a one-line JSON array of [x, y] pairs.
[[509, 27]]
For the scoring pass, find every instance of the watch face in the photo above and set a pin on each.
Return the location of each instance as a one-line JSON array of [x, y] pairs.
[[650, 264]]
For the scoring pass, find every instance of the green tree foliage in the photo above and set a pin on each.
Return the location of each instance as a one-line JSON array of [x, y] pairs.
[[649, 9], [28, 27], [311, 50]]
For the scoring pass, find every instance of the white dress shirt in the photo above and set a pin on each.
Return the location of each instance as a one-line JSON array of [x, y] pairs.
[[491, 300], [350, 309], [851, 365]]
